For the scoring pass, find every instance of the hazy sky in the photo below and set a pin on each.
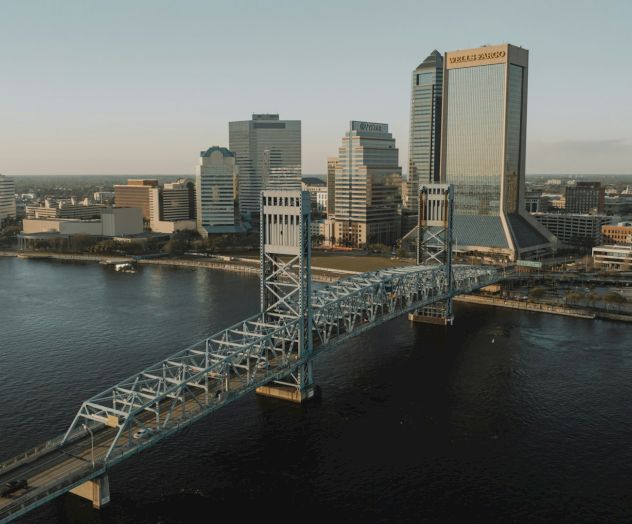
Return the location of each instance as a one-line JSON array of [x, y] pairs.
[[140, 87]]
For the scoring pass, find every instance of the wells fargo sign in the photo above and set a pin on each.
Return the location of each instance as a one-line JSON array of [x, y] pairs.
[[477, 57]]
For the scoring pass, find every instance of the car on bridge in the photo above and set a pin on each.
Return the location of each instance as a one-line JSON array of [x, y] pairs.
[[142, 433], [12, 486]]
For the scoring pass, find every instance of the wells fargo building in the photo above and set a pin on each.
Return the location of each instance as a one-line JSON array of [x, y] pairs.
[[483, 141]]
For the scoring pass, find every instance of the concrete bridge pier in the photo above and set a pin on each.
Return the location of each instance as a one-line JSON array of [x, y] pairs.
[[96, 490], [303, 390], [432, 316]]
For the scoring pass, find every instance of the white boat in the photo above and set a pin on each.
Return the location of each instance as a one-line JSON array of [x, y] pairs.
[[125, 268]]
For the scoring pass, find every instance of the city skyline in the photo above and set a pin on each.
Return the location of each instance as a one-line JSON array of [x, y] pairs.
[[89, 103]]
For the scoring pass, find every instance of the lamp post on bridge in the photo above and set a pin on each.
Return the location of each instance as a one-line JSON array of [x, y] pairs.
[[85, 426]]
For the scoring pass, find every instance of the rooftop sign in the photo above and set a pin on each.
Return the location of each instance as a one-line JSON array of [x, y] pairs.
[[477, 57], [370, 127]]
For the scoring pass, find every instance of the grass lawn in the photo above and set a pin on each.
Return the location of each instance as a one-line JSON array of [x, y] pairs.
[[345, 262], [356, 262]]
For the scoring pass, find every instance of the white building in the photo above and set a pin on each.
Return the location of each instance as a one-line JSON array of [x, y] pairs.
[[114, 221], [368, 186], [321, 201], [613, 257], [216, 192], [7, 198]]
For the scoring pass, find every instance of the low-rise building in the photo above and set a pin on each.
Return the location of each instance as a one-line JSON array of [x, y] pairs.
[[114, 222], [621, 234], [574, 229], [532, 201], [67, 208], [618, 258]]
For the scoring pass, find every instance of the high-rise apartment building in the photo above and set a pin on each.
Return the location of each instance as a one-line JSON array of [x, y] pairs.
[[368, 186], [585, 197], [216, 190], [425, 127], [483, 139], [332, 162], [7, 198], [136, 193], [268, 155]]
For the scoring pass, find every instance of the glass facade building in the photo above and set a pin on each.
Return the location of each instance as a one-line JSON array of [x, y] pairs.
[[483, 151], [268, 155], [368, 184], [425, 127]]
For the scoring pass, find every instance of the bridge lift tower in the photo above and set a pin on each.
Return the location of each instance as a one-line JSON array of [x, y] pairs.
[[434, 245], [286, 289]]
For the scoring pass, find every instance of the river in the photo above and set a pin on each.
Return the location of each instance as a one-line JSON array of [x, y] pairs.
[[506, 416]]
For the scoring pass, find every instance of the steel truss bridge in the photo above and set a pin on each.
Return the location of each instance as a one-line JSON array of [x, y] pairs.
[[272, 351]]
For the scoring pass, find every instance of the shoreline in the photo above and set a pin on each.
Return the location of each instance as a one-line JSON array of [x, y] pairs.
[[319, 274]]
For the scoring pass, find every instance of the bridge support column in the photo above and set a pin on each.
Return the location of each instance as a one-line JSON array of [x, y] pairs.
[[286, 284], [96, 490], [434, 246], [303, 390]]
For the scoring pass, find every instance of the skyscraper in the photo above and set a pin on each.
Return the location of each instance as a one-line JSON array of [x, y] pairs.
[[368, 186], [216, 191], [7, 198], [483, 139], [268, 154], [425, 127], [332, 162]]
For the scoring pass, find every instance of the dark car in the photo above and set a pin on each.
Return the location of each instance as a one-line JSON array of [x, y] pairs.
[[12, 486]]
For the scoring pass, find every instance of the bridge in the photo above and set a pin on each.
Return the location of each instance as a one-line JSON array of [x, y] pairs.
[[270, 352]]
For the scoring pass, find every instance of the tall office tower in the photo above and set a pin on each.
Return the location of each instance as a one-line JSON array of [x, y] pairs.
[[483, 137], [268, 155], [136, 193], [368, 186], [425, 127], [7, 198], [216, 191], [332, 162], [585, 197], [277, 176]]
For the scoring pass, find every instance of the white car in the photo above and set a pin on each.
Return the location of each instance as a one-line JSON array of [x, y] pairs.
[[142, 433]]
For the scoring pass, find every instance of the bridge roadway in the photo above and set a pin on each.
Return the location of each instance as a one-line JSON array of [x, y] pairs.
[[214, 372]]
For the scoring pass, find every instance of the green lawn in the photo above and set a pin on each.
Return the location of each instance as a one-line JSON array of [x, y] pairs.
[[360, 263], [345, 262]]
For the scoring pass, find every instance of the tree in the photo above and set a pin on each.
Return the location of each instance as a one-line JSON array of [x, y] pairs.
[[613, 297], [317, 240], [536, 293], [175, 246]]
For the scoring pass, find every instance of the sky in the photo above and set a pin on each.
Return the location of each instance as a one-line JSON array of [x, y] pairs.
[[141, 87]]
